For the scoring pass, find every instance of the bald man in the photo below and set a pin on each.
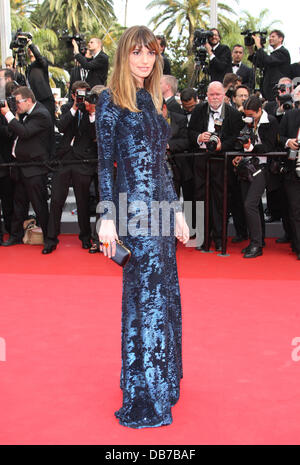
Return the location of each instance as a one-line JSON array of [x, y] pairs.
[[97, 66], [201, 126]]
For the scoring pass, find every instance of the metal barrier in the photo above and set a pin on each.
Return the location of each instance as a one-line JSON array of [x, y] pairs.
[[211, 156]]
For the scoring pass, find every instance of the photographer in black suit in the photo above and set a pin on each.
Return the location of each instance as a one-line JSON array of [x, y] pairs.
[[265, 136], [275, 65], [77, 123], [202, 125], [219, 57], [97, 66], [289, 137], [239, 68], [38, 79], [32, 144]]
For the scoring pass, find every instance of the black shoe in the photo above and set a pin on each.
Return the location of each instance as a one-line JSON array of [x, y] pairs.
[[253, 252], [12, 241], [298, 256], [218, 246], [201, 248], [193, 237], [86, 245], [94, 248], [237, 239], [282, 240], [48, 249]]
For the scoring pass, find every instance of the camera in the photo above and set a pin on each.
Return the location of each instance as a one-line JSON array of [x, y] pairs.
[[248, 40], [20, 39], [230, 92], [245, 134], [212, 143], [78, 38], [11, 102], [286, 101], [200, 38], [91, 97]]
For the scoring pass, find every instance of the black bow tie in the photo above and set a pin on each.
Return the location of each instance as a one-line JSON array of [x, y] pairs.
[[187, 112], [236, 64]]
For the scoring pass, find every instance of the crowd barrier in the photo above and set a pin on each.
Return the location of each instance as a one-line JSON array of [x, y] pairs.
[[222, 157]]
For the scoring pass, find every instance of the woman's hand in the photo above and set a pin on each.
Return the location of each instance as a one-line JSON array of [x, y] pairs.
[[182, 231], [108, 237]]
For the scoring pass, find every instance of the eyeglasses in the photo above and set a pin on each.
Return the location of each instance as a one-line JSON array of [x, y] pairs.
[[21, 100]]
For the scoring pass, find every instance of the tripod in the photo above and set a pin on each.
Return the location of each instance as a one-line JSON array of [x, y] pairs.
[[200, 78]]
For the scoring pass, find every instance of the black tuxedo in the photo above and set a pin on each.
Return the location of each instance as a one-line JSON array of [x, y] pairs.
[[32, 145], [246, 74], [231, 127], [275, 66], [6, 183], [166, 65], [78, 142], [173, 105], [38, 78], [288, 129], [220, 64], [97, 68], [295, 70]]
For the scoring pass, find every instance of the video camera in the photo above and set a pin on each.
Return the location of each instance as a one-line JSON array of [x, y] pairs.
[[245, 134], [78, 38], [286, 101], [248, 40], [200, 38], [20, 40]]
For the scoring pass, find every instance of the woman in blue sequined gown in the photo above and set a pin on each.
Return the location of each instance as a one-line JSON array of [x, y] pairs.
[[132, 132]]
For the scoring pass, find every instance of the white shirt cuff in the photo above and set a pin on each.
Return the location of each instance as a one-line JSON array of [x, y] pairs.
[[211, 57], [9, 116], [73, 112]]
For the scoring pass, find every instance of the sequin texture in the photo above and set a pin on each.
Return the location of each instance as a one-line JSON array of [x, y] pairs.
[[151, 307]]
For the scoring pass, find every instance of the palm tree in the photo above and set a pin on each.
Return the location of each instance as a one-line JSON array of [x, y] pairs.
[[79, 12], [258, 23], [186, 16]]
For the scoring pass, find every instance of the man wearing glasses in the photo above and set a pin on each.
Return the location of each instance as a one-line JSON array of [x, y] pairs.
[[32, 127], [219, 56]]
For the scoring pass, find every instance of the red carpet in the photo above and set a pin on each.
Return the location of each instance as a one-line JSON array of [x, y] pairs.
[[60, 320]]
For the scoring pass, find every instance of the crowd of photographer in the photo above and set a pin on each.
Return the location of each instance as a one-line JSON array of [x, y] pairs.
[[223, 111]]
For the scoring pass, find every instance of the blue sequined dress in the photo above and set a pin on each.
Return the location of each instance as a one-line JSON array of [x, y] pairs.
[[151, 308]]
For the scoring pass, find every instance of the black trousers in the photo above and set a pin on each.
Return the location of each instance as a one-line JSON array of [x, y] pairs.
[[252, 193], [6, 195], [235, 202], [62, 180], [292, 189], [33, 190]]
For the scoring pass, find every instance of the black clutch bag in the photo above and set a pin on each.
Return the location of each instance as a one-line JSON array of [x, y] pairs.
[[122, 254]]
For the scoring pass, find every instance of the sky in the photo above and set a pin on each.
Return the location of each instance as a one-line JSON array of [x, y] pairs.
[[137, 14]]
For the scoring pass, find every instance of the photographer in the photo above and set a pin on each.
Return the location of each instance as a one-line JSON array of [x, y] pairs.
[[169, 86], [289, 131], [239, 68], [32, 128], [162, 43], [214, 127], [275, 65], [240, 95], [97, 66], [284, 102], [262, 139], [219, 57], [77, 123], [38, 78], [230, 82]]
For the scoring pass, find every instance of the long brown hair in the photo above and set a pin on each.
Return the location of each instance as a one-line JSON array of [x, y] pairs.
[[122, 84]]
